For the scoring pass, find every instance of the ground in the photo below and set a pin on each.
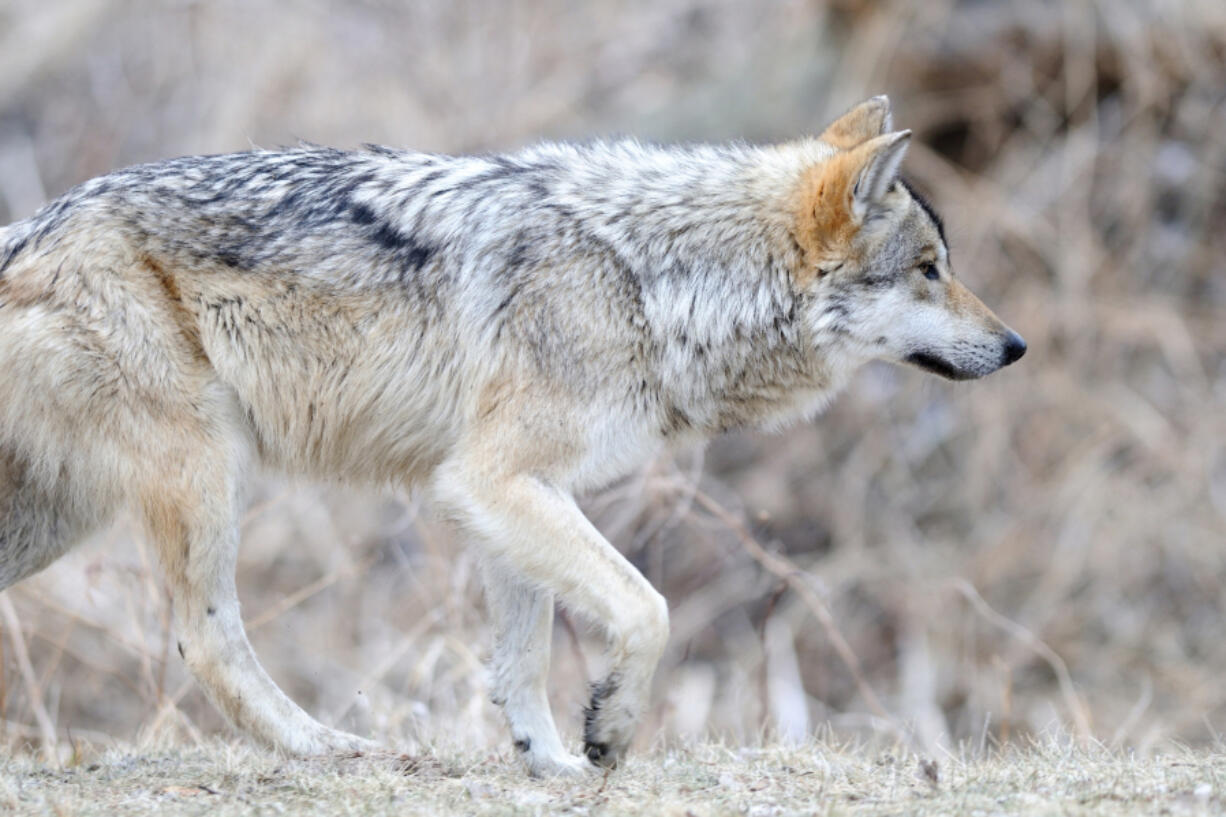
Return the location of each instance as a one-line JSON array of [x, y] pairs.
[[709, 779]]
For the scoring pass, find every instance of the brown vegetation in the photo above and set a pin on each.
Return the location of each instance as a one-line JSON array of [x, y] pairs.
[[1043, 551], [696, 780]]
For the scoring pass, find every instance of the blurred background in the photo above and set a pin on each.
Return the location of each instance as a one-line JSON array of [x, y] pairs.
[[1043, 552]]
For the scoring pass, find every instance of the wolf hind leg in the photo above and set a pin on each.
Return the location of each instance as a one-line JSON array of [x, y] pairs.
[[522, 618], [40, 519], [191, 511]]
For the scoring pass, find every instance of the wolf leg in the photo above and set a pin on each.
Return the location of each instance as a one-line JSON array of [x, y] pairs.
[[191, 514], [539, 529], [522, 617]]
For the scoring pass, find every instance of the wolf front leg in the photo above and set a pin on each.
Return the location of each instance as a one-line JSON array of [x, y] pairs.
[[524, 522], [522, 618], [193, 519]]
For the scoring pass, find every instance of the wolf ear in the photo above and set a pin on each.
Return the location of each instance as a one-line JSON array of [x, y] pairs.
[[868, 119], [834, 197], [875, 164]]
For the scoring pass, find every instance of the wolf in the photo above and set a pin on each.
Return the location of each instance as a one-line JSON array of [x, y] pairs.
[[501, 332]]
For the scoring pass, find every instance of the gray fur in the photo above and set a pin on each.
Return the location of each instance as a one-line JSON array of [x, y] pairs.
[[463, 239], [501, 331]]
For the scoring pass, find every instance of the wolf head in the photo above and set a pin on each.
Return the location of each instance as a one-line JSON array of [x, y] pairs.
[[875, 260]]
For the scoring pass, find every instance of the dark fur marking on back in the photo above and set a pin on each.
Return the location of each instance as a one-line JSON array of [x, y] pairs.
[[233, 259], [409, 254], [417, 256], [519, 254], [13, 251], [431, 177], [362, 214], [388, 237], [538, 188]]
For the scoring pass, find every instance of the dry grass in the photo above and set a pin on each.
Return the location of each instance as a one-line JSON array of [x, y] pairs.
[[710, 779], [928, 563]]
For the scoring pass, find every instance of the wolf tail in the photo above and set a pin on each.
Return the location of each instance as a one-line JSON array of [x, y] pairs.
[[43, 511], [39, 522]]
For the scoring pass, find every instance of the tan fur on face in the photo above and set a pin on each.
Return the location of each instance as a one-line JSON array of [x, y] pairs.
[[962, 301]]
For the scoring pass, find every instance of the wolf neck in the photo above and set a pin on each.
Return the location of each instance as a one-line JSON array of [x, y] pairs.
[[707, 232]]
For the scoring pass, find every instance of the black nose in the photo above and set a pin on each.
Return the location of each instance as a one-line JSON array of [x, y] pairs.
[[1015, 347]]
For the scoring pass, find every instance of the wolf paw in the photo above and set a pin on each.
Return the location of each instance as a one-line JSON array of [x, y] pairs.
[[335, 743], [607, 727], [561, 766]]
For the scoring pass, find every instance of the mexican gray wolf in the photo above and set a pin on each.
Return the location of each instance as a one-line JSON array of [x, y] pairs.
[[499, 332]]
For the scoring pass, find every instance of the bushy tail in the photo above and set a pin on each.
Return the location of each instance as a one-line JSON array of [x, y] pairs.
[[38, 522]]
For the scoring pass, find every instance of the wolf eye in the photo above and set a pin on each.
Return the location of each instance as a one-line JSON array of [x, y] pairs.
[[930, 272]]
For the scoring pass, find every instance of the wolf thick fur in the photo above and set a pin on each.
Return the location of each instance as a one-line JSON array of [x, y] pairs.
[[500, 331]]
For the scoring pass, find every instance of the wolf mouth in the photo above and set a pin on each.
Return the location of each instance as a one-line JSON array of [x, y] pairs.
[[938, 365]]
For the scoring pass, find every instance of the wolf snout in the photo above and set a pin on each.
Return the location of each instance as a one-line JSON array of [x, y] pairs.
[[1015, 347]]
